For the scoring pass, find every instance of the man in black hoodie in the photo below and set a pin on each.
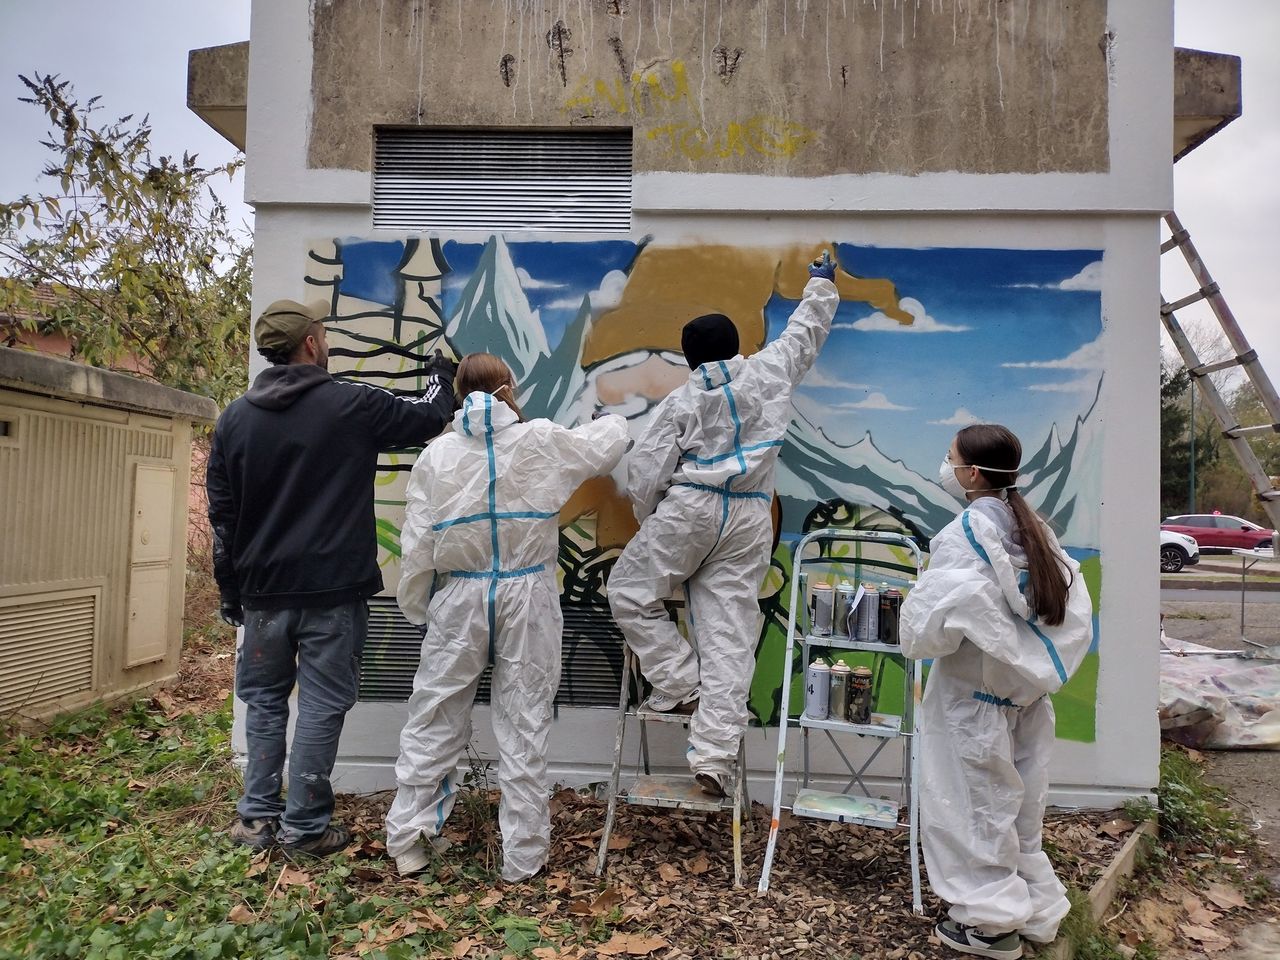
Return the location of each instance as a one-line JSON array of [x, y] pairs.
[[290, 481]]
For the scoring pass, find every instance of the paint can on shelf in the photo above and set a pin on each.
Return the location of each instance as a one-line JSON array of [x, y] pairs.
[[860, 695], [823, 601], [817, 690], [838, 702], [871, 599], [890, 612], [843, 606]]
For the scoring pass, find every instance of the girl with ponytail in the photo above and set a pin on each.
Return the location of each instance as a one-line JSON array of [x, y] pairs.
[[1005, 616]]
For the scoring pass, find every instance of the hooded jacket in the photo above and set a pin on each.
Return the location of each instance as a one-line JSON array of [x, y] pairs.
[[290, 482]]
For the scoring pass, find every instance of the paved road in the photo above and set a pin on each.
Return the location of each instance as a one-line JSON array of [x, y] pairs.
[[1219, 596]]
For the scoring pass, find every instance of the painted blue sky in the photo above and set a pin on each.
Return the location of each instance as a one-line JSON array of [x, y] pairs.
[[1009, 336], [1006, 336]]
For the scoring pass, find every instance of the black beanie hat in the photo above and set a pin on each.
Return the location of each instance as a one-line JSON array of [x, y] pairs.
[[708, 338]]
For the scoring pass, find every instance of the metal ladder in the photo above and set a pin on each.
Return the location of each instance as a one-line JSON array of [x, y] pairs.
[[673, 791], [1246, 357]]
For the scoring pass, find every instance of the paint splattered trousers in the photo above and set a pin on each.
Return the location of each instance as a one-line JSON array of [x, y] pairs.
[[319, 649]]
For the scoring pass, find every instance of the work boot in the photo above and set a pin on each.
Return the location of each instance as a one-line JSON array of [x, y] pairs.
[[660, 702], [971, 940], [335, 837], [255, 834], [712, 784]]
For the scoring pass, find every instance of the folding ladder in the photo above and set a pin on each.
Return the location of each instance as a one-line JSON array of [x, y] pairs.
[[1246, 357], [678, 791], [843, 806]]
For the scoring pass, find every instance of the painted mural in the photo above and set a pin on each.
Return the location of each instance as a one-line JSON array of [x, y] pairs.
[[925, 341]]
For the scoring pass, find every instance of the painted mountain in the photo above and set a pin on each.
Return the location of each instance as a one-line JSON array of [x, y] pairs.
[[492, 314]]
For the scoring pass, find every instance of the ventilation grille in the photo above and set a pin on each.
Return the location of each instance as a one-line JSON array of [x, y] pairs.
[[46, 648], [591, 656], [564, 181]]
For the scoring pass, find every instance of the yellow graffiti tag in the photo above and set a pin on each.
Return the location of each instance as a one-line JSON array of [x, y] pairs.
[[647, 93], [767, 136]]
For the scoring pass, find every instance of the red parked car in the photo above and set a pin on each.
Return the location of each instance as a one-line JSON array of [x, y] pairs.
[[1220, 531]]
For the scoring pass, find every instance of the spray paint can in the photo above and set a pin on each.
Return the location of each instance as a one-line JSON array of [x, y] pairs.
[[872, 600], [838, 705], [843, 605], [860, 695], [817, 690], [823, 600], [890, 611]]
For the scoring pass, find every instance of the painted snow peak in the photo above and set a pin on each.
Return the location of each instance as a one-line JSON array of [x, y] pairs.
[[924, 341]]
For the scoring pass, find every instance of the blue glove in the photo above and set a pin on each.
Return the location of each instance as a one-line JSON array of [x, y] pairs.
[[823, 267]]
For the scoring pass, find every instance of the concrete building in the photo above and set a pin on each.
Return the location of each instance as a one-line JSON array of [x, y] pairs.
[[565, 184], [95, 467]]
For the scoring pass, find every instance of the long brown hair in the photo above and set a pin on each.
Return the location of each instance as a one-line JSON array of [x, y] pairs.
[[996, 448], [488, 374]]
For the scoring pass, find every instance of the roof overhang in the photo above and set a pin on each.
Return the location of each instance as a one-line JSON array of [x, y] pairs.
[[1206, 96], [218, 88]]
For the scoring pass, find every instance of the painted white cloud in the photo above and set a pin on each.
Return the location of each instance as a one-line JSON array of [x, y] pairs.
[[1087, 357], [605, 297], [880, 322], [873, 401], [1084, 384], [961, 418], [527, 282], [1089, 278], [820, 380]]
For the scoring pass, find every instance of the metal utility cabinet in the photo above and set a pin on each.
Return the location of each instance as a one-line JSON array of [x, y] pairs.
[[95, 470]]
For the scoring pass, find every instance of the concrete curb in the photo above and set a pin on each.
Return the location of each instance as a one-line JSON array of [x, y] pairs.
[[1104, 890], [1177, 582]]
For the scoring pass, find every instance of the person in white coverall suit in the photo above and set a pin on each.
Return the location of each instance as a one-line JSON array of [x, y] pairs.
[[1005, 614], [478, 566], [700, 479]]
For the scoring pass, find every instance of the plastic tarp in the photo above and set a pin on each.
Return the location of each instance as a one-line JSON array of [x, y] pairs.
[[1214, 701]]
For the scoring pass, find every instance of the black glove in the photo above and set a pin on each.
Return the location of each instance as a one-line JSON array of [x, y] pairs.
[[231, 612], [823, 267], [444, 368]]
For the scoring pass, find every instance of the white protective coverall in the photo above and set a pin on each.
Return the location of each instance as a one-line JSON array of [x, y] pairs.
[[481, 525], [987, 724], [701, 481]]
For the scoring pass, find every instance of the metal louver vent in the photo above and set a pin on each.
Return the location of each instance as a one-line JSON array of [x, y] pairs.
[[46, 648], [553, 180], [591, 656]]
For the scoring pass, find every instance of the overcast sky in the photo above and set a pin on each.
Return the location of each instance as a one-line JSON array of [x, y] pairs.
[[135, 57]]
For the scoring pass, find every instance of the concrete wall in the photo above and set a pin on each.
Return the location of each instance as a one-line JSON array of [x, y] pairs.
[[1091, 172]]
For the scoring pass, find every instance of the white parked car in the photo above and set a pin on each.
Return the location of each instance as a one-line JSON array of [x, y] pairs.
[[1177, 550]]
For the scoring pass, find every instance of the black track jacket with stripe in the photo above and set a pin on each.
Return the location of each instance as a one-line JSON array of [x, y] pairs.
[[290, 481]]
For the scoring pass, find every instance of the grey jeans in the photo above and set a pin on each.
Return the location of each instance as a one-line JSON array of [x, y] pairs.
[[319, 648]]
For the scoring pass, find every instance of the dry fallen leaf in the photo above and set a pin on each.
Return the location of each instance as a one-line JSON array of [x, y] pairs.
[[619, 842], [489, 899], [1224, 897], [631, 945], [597, 907], [430, 919], [1204, 935], [1117, 828], [669, 872], [259, 864], [293, 877], [1198, 913], [240, 913], [699, 864], [463, 946], [557, 882]]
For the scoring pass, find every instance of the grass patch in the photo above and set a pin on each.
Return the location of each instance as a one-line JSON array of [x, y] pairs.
[[1195, 816], [112, 846], [1196, 615]]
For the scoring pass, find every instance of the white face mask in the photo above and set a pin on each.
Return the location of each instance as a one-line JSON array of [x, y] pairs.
[[950, 482]]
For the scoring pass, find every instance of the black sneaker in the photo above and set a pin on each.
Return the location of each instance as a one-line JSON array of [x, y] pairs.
[[334, 838], [255, 834], [1002, 946]]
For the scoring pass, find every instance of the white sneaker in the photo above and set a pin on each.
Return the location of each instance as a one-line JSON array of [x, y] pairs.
[[712, 784], [659, 702], [415, 861]]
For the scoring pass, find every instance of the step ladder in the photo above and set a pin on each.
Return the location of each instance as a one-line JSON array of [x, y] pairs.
[[844, 806], [1236, 435], [678, 791]]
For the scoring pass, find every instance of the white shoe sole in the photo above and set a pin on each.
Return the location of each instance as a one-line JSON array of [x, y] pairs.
[[415, 861]]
